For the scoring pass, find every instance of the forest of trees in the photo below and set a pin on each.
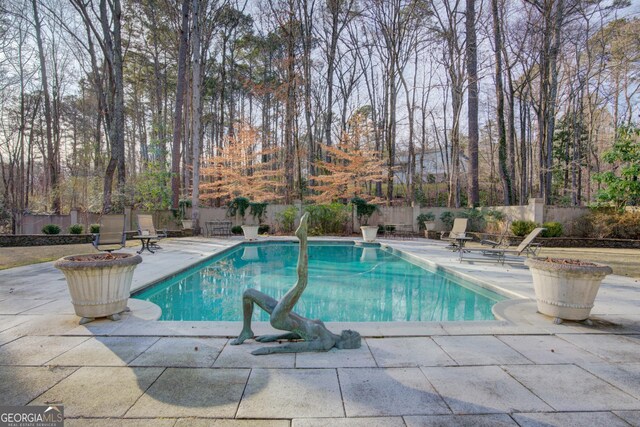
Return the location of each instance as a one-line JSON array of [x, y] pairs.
[[113, 103]]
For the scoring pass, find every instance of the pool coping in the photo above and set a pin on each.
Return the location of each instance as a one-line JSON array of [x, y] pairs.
[[513, 316], [509, 313]]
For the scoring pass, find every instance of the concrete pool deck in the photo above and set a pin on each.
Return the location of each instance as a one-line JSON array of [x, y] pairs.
[[522, 370]]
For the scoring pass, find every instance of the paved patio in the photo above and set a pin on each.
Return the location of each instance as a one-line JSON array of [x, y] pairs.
[[519, 370]]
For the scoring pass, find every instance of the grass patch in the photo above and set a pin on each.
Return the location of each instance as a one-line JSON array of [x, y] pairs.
[[27, 255]]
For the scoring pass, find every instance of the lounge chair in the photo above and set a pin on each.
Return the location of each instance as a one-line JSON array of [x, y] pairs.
[[526, 247], [458, 230], [111, 236], [502, 241], [146, 228]]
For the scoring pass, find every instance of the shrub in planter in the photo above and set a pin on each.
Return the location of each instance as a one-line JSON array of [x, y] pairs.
[[522, 228], [94, 228], [553, 229], [424, 218], [51, 229], [364, 211], [76, 229], [236, 229]]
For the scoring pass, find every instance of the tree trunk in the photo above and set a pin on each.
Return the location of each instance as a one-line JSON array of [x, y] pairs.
[[502, 136], [472, 97], [290, 103], [553, 89], [52, 149], [177, 115], [195, 115]]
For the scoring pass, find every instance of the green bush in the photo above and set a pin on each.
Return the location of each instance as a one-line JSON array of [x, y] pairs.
[[76, 229], [608, 224], [522, 228], [263, 229], [236, 229], [425, 217], [553, 229], [94, 228], [287, 219], [476, 217], [51, 229], [328, 219], [626, 226], [447, 218]]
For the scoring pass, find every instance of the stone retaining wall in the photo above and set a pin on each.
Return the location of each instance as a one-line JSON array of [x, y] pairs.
[[568, 242], [44, 239], [66, 239]]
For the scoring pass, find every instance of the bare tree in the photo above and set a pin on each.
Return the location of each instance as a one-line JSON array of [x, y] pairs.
[[110, 41], [178, 114], [502, 133], [52, 147], [472, 100]]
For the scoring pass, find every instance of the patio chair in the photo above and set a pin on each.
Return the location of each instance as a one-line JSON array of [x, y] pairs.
[[146, 228], [527, 247], [112, 235], [458, 230]]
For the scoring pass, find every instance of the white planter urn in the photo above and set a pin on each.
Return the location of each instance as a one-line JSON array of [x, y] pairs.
[[187, 224], [99, 284], [369, 232], [430, 225], [250, 232], [566, 289]]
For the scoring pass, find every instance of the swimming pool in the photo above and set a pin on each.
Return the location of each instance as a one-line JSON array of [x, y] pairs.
[[347, 283]]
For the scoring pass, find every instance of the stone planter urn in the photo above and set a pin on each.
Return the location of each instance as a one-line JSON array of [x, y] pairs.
[[369, 232], [566, 289], [187, 224], [250, 232], [429, 226], [99, 284]]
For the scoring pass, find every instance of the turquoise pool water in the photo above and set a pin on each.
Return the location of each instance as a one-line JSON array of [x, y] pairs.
[[347, 283]]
